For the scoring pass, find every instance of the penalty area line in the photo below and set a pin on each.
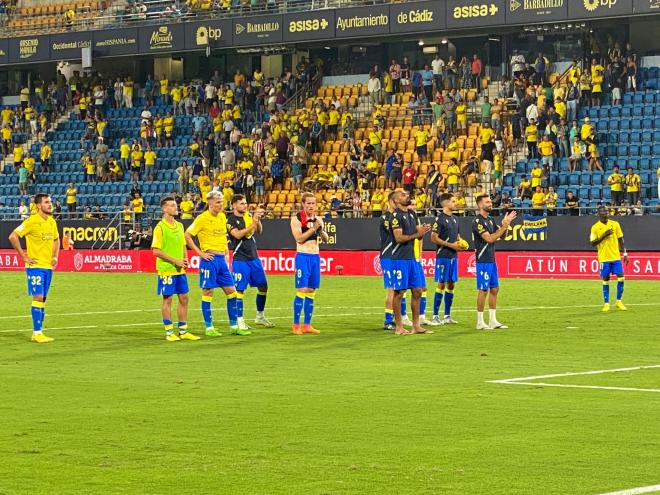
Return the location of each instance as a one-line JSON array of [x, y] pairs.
[[636, 491], [530, 381]]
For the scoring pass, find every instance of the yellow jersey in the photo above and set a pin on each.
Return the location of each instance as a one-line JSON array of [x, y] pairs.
[[453, 172], [531, 133], [6, 134], [211, 231], [46, 152], [421, 137], [538, 199], [616, 182], [608, 248], [187, 207], [536, 176], [486, 135], [40, 236], [150, 157], [28, 163], [632, 183], [124, 151], [547, 148], [138, 205]]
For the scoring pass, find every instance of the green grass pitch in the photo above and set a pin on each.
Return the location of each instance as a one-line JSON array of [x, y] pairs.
[[110, 407]]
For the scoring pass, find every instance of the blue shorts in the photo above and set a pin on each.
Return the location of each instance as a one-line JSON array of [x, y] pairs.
[[38, 281], [608, 268], [407, 274], [215, 273], [487, 276], [308, 271], [386, 267], [446, 270], [169, 285], [248, 273]]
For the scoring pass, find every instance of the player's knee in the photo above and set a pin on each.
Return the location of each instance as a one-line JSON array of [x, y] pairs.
[[39, 298], [451, 285], [183, 298], [263, 289]]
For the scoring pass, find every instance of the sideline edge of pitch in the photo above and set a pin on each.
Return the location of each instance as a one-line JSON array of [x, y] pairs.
[[530, 381], [636, 491]]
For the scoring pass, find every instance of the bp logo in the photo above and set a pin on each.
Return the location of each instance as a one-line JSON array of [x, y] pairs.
[[206, 34], [78, 261], [592, 5]]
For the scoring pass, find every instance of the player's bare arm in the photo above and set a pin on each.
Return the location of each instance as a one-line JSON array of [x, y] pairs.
[[622, 248], [603, 236], [190, 242], [179, 263], [495, 236], [298, 235], [436, 239], [55, 254], [400, 237], [16, 244], [321, 230]]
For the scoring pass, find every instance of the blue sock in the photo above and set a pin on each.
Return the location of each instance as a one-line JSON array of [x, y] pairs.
[[38, 312], [404, 310], [239, 304], [261, 301], [298, 303], [437, 301], [169, 328], [231, 308], [309, 308], [606, 292], [389, 316], [619, 288], [206, 311], [449, 299], [422, 304], [183, 326]]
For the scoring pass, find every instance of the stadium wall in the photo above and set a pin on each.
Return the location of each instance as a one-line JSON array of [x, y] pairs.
[[361, 234]]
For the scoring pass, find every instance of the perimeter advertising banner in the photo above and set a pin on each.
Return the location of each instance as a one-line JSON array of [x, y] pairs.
[[29, 49], [646, 6], [260, 30], [362, 234], [4, 51], [161, 39], [309, 26], [115, 42], [417, 17], [362, 21], [592, 9], [523, 264], [68, 46], [215, 33], [533, 11], [471, 13]]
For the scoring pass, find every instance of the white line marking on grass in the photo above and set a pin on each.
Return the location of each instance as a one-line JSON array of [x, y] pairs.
[[530, 380], [121, 325], [636, 491], [152, 310]]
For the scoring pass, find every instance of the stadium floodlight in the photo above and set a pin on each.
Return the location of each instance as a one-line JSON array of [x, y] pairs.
[[444, 41], [420, 42]]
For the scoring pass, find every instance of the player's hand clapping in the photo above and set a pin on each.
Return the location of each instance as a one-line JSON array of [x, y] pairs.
[[508, 218], [423, 229]]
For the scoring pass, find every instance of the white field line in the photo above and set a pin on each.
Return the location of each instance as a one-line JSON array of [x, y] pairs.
[[531, 380], [636, 491], [121, 325], [152, 310]]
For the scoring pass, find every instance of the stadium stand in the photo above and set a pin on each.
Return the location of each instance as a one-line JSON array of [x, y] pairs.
[[336, 142]]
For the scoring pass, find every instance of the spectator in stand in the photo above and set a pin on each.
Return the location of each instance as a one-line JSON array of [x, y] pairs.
[[577, 153], [374, 88], [395, 74], [550, 201], [633, 184], [71, 198], [465, 72], [616, 182], [23, 180], [572, 204], [524, 188], [547, 152], [531, 135], [453, 176], [438, 66], [517, 63], [538, 201], [594, 154], [427, 82], [477, 68], [409, 177]]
